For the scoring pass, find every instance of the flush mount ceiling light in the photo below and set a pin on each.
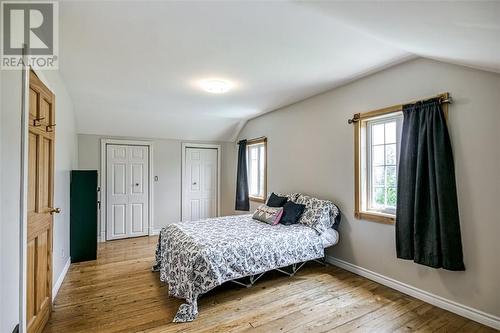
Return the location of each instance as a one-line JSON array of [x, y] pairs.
[[216, 86]]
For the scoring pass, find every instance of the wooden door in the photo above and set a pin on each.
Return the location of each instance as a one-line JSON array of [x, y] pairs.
[[127, 191], [200, 188], [40, 204]]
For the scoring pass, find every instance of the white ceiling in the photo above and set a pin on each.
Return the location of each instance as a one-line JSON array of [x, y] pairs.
[[132, 67], [461, 32]]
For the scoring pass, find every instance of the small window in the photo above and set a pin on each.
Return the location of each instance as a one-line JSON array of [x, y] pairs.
[[382, 155], [377, 156], [256, 166]]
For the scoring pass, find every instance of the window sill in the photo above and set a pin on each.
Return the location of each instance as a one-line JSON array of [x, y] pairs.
[[257, 199], [376, 217]]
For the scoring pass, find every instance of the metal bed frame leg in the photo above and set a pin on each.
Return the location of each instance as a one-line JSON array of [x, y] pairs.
[[321, 261], [294, 269], [252, 280]]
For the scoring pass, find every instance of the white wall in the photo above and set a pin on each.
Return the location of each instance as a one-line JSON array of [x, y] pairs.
[[310, 150], [10, 123], [65, 160], [167, 166]]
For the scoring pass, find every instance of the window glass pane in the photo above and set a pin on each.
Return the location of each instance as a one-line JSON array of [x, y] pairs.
[[378, 134], [390, 154], [378, 155], [390, 132], [381, 160], [378, 196], [379, 175], [391, 197], [391, 176], [256, 170], [381, 164], [261, 169], [253, 185]]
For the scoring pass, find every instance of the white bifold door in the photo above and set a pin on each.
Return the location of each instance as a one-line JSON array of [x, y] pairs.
[[200, 184], [127, 192]]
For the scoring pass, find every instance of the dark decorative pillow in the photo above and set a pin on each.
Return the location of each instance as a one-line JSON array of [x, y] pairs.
[[276, 201], [338, 217], [292, 213], [289, 196]]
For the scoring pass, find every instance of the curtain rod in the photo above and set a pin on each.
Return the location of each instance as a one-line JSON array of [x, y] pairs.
[[255, 139], [444, 98]]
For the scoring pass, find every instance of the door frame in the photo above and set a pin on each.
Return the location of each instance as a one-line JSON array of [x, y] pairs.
[[102, 224], [186, 145]]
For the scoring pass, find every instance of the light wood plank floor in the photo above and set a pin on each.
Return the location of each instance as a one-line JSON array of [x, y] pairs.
[[119, 293]]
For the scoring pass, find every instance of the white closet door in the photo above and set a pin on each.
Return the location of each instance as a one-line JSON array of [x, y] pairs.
[[127, 192], [138, 203], [200, 188]]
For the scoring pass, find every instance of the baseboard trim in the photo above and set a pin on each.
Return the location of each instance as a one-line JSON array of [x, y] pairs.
[[60, 279], [441, 302]]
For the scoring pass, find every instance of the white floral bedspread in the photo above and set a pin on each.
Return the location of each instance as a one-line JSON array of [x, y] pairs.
[[195, 257]]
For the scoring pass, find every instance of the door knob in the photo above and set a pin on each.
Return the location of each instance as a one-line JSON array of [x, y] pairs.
[[54, 210], [136, 184], [194, 183]]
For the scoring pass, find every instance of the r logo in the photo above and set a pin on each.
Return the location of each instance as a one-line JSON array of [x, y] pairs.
[[29, 23]]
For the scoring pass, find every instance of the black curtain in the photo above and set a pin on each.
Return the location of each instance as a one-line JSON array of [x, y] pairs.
[[242, 201], [427, 221]]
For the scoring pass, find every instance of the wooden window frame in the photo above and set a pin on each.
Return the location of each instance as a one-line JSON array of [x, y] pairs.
[[359, 120], [262, 140]]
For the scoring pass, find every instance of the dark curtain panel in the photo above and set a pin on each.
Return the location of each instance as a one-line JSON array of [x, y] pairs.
[[427, 221], [242, 201]]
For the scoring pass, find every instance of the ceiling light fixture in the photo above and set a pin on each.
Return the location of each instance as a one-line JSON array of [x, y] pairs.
[[216, 86]]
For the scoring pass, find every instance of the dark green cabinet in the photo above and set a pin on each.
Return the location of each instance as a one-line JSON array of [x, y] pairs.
[[83, 215]]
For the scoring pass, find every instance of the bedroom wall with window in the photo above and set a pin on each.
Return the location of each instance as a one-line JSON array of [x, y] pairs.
[[167, 166], [310, 150], [65, 160]]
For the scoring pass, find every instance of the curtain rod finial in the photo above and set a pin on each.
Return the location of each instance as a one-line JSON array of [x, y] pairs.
[[447, 100], [354, 119]]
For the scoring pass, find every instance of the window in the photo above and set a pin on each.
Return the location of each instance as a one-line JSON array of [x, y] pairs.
[[378, 139], [257, 169], [383, 140]]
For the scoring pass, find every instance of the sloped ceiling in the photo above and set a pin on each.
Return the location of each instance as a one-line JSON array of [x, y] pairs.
[[132, 68], [461, 32]]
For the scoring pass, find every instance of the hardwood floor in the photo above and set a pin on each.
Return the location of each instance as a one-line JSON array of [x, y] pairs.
[[119, 293]]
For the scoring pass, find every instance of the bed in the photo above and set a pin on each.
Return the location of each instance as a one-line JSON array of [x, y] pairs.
[[195, 257]]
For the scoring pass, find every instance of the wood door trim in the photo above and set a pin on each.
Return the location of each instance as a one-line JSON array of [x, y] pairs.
[[186, 145], [102, 223]]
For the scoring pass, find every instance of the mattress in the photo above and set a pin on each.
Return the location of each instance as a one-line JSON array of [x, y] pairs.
[[329, 238], [195, 257]]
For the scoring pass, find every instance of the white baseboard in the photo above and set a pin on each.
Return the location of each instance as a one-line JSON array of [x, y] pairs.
[[60, 279], [441, 302]]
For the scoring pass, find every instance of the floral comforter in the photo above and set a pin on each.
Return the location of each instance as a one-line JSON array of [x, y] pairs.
[[195, 257]]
